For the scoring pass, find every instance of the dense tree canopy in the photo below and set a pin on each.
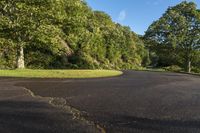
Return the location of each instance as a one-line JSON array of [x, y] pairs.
[[65, 34], [175, 37]]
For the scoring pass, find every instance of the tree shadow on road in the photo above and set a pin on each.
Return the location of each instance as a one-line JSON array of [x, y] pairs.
[[129, 124], [35, 117]]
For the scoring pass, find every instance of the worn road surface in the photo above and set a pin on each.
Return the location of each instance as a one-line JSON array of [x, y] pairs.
[[136, 102]]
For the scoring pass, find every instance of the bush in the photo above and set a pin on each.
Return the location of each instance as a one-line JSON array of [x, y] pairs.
[[196, 70], [173, 68], [8, 53]]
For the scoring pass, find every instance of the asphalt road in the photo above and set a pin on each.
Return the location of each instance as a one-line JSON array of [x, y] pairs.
[[136, 102]]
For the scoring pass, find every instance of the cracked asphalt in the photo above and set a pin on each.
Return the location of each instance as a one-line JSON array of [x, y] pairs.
[[136, 102]]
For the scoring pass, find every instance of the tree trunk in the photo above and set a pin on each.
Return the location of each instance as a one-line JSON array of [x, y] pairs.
[[188, 68], [20, 58]]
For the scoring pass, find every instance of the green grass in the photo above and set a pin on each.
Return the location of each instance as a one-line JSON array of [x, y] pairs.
[[156, 69], [28, 73]]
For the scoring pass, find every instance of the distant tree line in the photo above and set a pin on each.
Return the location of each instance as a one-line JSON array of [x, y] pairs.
[[174, 39], [65, 34], [69, 34]]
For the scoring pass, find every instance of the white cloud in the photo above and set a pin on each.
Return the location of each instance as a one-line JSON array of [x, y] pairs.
[[122, 15], [154, 2]]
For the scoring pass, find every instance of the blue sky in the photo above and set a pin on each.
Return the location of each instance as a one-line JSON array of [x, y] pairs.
[[137, 14]]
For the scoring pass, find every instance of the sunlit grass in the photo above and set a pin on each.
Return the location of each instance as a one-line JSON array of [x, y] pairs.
[[59, 73]]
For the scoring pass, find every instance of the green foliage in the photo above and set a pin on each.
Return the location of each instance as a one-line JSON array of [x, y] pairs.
[[173, 68], [7, 54], [196, 69], [175, 36], [66, 34]]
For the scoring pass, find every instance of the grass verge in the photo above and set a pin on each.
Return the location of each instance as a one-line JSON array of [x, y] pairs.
[[28, 73]]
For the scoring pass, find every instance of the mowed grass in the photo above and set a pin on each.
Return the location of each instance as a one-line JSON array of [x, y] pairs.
[[28, 73]]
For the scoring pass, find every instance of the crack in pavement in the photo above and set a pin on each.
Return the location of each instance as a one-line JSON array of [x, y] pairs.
[[62, 104], [142, 102], [26, 109]]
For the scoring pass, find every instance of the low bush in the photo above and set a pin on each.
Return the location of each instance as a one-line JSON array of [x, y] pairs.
[[173, 68], [196, 70]]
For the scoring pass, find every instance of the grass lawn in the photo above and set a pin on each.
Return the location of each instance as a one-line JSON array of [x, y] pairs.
[[28, 73]]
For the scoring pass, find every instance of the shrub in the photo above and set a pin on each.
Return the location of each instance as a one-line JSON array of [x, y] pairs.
[[196, 70], [173, 68]]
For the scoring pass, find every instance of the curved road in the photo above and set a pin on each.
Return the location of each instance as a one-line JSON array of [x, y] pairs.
[[136, 102]]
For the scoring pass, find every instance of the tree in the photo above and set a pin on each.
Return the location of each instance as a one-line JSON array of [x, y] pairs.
[[177, 32], [64, 34], [21, 18]]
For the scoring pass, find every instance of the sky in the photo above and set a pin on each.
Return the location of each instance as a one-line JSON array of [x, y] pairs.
[[137, 14]]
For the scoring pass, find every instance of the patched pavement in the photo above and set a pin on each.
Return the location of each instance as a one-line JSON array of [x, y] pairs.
[[22, 112], [136, 102]]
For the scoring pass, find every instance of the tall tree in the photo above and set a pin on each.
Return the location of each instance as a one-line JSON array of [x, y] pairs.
[[178, 30], [64, 34], [22, 18]]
